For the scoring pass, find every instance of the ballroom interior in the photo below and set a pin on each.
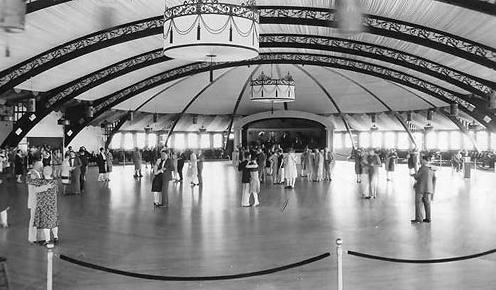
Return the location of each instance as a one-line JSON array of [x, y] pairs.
[[218, 77]]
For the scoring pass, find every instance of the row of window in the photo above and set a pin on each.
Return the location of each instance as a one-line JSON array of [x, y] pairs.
[[442, 140], [179, 141]]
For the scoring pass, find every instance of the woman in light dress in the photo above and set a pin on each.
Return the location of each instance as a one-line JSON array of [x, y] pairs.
[[273, 166], [252, 166], [310, 165], [290, 172], [65, 171], [193, 169]]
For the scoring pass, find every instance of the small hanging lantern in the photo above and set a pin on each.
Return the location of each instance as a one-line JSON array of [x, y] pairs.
[[269, 90]]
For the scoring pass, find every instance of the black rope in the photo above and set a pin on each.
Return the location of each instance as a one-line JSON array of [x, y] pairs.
[[427, 261], [205, 278]]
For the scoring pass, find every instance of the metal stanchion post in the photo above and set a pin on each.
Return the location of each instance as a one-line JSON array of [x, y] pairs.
[[339, 252], [50, 267]]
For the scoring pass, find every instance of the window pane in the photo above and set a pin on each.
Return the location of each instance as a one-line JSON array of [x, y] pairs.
[[376, 139], [337, 141], [419, 138], [455, 140], [193, 140], [204, 141], [389, 140], [431, 140], [482, 140], [152, 140], [442, 139], [218, 141], [403, 141], [179, 142], [467, 143], [128, 141], [493, 141], [140, 140], [116, 141], [364, 139], [347, 141]]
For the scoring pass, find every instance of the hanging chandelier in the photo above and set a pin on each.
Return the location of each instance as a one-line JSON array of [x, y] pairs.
[[208, 30], [267, 89], [12, 15]]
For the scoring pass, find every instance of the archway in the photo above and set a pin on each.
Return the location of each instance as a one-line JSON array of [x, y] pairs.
[[325, 122]]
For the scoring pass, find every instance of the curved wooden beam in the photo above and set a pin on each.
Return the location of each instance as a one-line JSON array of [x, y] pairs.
[[282, 58], [238, 101], [176, 121], [396, 114], [310, 16], [482, 6]]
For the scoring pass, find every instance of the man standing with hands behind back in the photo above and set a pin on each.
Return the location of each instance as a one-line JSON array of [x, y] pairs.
[[424, 190]]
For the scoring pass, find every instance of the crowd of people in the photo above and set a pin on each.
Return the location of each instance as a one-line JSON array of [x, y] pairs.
[[258, 162], [46, 168]]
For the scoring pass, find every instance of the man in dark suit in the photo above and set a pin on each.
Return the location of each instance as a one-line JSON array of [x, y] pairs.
[[180, 164], [424, 190]]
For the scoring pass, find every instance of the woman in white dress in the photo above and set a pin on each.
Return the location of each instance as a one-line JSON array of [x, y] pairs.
[[320, 165], [193, 169], [252, 166], [290, 171]]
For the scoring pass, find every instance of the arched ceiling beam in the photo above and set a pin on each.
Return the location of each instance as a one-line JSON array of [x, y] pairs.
[[33, 6], [114, 130], [178, 118], [483, 6], [58, 96], [159, 93], [309, 16], [238, 101], [106, 103], [329, 96], [396, 114], [288, 58], [462, 128]]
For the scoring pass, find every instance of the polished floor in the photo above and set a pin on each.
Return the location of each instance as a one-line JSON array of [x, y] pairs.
[[206, 232]]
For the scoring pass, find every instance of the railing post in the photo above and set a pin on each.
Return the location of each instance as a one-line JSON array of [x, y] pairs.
[[50, 266], [339, 252]]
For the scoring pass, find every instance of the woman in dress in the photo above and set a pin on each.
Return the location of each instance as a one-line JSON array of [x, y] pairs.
[[245, 179], [193, 169], [162, 175], [65, 171], [137, 158], [252, 167], [57, 163], [290, 172], [273, 166], [328, 160], [110, 164], [359, 165], [101, 161], [304, 162], [19, 165], [46, 216], [390, 163], [76, 173], [310, 165]]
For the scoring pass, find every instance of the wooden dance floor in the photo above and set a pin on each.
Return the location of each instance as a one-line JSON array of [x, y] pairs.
[[205, 232]]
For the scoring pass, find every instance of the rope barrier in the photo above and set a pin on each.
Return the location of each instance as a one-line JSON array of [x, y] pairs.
[[204, 278], [427, 261]]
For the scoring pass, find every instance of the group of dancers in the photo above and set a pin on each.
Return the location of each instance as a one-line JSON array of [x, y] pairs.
[[255, 166]]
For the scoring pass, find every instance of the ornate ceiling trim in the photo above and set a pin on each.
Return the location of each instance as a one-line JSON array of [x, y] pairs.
[[452, 44]]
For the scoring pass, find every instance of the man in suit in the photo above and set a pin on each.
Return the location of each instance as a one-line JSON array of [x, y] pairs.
[[180, 164], [424, 190]]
